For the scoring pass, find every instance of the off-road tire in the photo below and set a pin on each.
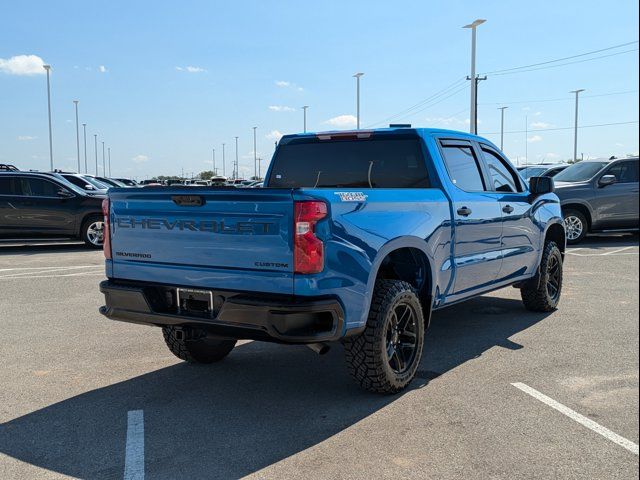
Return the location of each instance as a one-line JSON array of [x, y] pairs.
[[366, 354], [577, 216], [536, 295], [204, 350], [84, 232]]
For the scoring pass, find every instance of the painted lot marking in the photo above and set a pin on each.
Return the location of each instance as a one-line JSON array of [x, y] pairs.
[[581, 419], [48, 272], [134, 452], [616, 252]]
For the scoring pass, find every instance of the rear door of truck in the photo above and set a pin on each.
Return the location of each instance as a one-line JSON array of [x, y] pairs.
[[202, 237]]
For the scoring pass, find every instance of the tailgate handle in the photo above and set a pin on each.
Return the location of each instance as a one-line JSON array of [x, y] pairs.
[[188, 200]]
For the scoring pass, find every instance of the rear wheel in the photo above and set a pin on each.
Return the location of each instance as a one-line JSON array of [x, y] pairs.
[[198, 350], [93, 231], [544, 295], [385, 357], [575, 226]]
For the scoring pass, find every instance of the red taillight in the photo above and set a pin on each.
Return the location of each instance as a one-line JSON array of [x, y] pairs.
[[308, 251], [106, 230]]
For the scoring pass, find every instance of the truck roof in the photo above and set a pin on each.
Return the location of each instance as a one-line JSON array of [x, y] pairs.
[[389, 131]]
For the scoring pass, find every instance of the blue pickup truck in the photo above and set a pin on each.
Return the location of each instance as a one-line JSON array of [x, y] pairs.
[[357, 237]]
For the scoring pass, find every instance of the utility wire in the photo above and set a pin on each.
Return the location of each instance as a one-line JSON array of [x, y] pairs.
[[561, 128], [434, 96], [494, 72], [563, 99]]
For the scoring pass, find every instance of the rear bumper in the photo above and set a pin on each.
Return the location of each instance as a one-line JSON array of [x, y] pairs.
[[235, 314]]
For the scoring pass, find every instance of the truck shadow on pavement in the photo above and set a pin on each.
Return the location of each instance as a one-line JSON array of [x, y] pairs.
[[264, 403]]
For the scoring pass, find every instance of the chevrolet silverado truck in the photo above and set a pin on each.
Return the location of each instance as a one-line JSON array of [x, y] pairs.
[[357, 237]]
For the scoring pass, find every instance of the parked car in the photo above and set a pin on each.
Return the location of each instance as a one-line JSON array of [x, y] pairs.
[[149, 181], [88, 184], [128, 182], [361, 236], [110, 182], [598, 196], [218, 181], [46, 205], [544, 170]]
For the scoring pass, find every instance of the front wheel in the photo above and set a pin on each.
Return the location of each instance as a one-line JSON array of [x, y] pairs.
[[544, 295], [575, 226], [385, 357], [93, 231]]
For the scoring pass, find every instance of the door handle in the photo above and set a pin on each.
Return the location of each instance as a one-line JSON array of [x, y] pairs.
[[507, 209], [464, 211]]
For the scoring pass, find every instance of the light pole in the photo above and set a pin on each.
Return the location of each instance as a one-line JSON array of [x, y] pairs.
[[474, 84], [502, 109], [224, 170], [75, 102], [259, 171], [304, 118], [357, 77], [84, 134], [48, 69], [109, 159], [214, 161], [104, 165], [255, 155], [575, 126], [95, 141], [235, 168]]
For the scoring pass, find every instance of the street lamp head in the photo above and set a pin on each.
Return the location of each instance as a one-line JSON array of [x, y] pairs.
[[502, 108], [577, 91], [76, 101], [358, 75], [46, 67], [475, 23]]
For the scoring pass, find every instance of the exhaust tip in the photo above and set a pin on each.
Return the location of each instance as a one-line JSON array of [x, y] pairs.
[[319, 348]]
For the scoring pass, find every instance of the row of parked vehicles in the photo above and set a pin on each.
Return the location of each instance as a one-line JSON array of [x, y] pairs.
[[596, 196], [213, 182]]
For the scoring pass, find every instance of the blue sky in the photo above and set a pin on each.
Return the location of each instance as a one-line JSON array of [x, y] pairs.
[[162, 83]]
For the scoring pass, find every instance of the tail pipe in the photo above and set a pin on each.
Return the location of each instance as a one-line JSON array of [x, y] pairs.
[[319, 348]]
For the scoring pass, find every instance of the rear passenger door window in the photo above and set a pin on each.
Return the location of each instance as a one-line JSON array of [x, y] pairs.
[[503, 178], [463, 167], [625, 172], [9, 185], [38, 187]]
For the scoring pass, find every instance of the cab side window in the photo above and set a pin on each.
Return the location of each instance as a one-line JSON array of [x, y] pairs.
[[625, 172], [9, 185], [38, 187], [463, 167], [503, 178]]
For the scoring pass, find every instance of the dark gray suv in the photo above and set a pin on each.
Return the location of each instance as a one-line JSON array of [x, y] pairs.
[[599, 196]]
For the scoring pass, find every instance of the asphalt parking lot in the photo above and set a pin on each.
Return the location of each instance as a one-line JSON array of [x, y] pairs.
[[84, 397]]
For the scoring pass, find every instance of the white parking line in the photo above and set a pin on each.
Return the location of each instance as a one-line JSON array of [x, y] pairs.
[[29, 277], [617, 251], [134, 452], [49, 268], [581, 419]]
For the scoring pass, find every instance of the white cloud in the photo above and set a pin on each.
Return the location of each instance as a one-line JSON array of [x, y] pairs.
[[287, 84], [22, 65], [140, 159], [534, 139], [552, 155], [540, 125], [281, 108], [26, 138], [102, 69], [191, 69], [274, 135], [342, 121]]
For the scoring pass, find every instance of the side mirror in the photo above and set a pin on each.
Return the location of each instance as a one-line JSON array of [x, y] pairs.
[[64, 193], [607, 180], [89, 187], [541, 185]]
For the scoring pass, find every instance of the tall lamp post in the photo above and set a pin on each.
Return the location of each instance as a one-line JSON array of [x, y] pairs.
[[474, 83], [235, 167], [48, 69], [75, 102], [255, 155], [357, 77], [575, 126], [224, 169], [104, 165], [84, 135], [109, 159], [304, 118], [213, 155], [502, 109], [95, 147]]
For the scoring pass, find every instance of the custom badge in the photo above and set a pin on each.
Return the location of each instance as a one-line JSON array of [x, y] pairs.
[[352, 196]]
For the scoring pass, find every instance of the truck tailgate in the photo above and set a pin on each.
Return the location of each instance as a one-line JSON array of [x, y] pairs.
[[204, 237]]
